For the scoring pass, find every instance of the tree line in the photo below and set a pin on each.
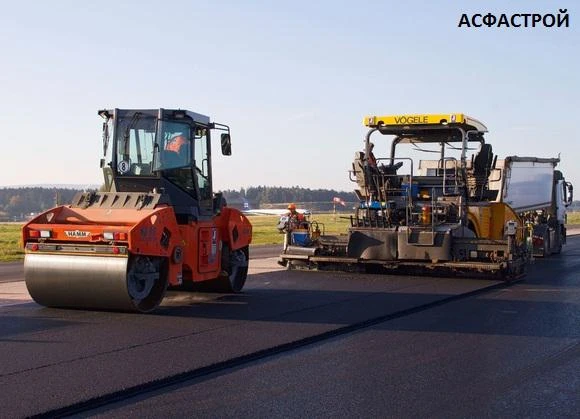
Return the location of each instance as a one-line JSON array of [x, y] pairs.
[[264, 196], [17, 204]]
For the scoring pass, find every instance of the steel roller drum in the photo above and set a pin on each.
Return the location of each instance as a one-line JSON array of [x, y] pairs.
[[89, 282]]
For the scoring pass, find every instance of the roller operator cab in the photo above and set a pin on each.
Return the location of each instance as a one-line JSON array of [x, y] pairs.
[[425, 203], [157, 223]]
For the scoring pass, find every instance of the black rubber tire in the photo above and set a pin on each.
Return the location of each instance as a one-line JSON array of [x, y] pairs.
[[234, 270]]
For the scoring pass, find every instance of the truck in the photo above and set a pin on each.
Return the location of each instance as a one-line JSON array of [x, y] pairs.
[[155, 223], [418, 213], [539, 194]]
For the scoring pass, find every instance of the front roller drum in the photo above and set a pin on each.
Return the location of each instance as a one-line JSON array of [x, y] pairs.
[[134, 283]]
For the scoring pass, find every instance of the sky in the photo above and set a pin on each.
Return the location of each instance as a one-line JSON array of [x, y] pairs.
[[293, 80]]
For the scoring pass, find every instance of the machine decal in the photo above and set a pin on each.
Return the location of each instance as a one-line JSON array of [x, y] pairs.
[[165, 237], [395, 121], [123, 166], [77, 234], [213, 251], [411, 119]]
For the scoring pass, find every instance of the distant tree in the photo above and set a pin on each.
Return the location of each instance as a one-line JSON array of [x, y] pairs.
[[16, 202], [16, 205]]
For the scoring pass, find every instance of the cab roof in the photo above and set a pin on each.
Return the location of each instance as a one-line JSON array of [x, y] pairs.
[[159, 113], [427, 121], [427, 127]]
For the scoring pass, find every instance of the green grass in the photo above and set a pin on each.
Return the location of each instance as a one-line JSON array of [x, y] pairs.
[[10, 248], [265, 231], [573, 217]]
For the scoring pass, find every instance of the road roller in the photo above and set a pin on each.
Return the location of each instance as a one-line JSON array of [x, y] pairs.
[[154, 224]]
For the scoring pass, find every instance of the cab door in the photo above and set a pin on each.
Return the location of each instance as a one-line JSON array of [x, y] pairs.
[[202, 170]]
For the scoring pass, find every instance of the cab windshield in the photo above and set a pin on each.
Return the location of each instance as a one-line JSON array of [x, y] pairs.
[[144, 146], [135, 138]]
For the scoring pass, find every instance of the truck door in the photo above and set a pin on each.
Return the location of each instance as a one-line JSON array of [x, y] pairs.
[[561, 202]]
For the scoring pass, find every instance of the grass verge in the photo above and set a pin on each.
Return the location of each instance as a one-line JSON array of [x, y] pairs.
[[265, 231], [10, 248], [573, 217]]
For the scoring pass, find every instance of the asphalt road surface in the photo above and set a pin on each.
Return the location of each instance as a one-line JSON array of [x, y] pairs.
[[265, 251], [11, 272], [511, 352], [301, 344]]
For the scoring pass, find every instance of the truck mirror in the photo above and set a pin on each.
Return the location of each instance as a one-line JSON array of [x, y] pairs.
[[570, 193], [226, 144]]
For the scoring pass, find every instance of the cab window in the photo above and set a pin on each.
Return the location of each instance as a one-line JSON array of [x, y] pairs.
[[174, 144]]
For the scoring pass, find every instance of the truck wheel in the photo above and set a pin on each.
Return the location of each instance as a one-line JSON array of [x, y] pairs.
[[234, 269]]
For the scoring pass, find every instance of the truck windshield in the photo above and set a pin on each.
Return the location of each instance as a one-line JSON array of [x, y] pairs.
[[135, 138]]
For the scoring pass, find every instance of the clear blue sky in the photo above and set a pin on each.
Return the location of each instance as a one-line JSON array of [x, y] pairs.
[[293, 79]]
